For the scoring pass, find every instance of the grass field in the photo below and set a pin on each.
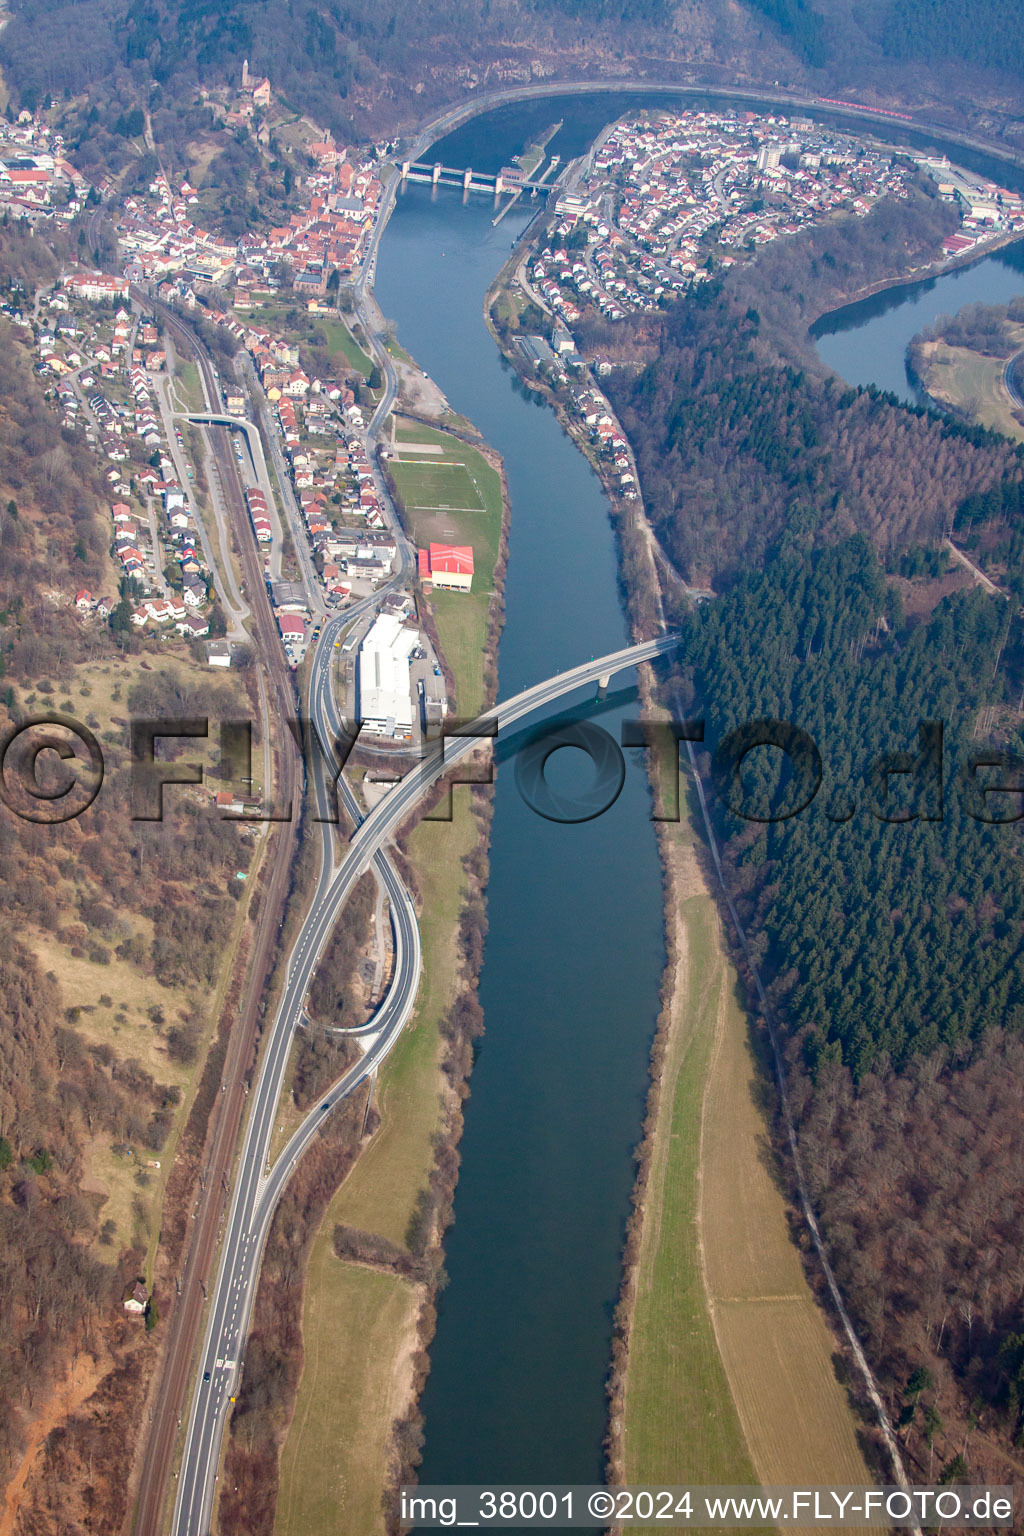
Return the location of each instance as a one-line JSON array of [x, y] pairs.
[[382, 1188], [438, 486], [973, 383], [191, 388], [730, 1376], [774, 1341], [510, 304], [341, 344], [340, 341], [97, 694], [353, 1385], [358, 1325], [124, 1025], [455, 501], [680, 1421], [400, 354]]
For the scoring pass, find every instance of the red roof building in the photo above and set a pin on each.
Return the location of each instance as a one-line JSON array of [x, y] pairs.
[[448, 566]]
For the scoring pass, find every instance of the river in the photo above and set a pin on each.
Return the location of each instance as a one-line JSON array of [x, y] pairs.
[[866, 342], [575, 951]]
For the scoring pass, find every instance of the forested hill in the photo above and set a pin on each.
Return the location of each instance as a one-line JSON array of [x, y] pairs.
[[887, 916], [385, 60], [381, 64], [740, 453], [939, 33], [883, 937], [112, 939], [981, 32], [894, 956]]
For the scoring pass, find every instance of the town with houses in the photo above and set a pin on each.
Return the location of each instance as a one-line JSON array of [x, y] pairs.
[[103, 361], [159, 235], [662, 201], [283, 492], [36, 178], [670, 197]]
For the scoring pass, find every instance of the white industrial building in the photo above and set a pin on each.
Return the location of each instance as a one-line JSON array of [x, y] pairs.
[[385, 690]]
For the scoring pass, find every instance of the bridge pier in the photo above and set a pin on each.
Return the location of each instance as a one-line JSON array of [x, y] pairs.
[[602, 683], [467, 177], [406, 167], [499, 185], [436, 174]]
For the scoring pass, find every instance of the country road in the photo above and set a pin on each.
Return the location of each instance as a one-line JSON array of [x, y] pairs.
[[222, 1136], [258, 1190], [258, 1186], [243, 1186], [169, 1405]]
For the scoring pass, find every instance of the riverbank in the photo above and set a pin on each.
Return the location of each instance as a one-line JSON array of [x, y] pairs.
[[672, 1417], [355, 1430], [713, 1284], [922, 275], [452, 491], [642, 562], [734, 93], [365, 1328], [558, 1087], [970, 384], [712, 1279]]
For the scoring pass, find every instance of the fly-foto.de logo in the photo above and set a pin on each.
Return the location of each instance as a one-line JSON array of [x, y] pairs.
[[766, 771]]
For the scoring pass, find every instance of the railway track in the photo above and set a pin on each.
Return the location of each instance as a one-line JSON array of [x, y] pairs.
[[185, 1320]]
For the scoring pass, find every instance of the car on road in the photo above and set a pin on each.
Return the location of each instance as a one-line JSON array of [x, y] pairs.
[[206, 1375], [323, 1107]]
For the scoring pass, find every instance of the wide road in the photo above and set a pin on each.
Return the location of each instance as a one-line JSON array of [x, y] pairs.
[[258, 1187], [788, 98], [225, 1121], [1011, 372], [187, 1316]]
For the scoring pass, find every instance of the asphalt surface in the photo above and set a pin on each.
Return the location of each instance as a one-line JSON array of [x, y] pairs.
[[222, 1135], [187, 1314], [258, 1185], [258, 1190]]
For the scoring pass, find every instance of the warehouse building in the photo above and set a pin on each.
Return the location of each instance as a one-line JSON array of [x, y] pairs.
[[385, 688]]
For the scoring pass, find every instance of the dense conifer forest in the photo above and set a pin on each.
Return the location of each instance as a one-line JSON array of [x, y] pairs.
[[886, 914], [941, 34], [887, 918], [891, 913]]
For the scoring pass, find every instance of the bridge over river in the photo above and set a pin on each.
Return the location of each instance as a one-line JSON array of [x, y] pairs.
[[508, 179]]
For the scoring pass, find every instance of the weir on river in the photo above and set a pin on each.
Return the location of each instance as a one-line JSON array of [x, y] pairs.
[[574, 954], [570, 998]]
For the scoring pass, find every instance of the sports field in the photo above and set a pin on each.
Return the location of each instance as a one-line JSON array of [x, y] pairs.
[[453, 497], [438, 485]]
